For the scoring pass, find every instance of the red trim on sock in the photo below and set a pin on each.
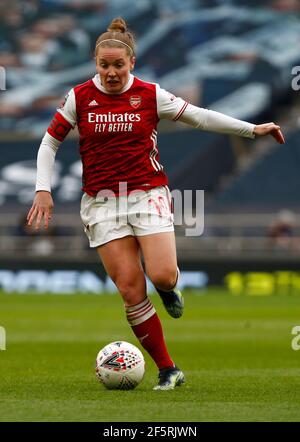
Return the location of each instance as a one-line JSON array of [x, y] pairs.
[[139, 313]]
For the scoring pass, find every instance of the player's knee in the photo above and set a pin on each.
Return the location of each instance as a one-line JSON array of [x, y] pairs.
[[132, 289], [164, 279]]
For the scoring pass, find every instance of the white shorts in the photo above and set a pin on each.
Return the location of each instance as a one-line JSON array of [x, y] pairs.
[[106, 218]]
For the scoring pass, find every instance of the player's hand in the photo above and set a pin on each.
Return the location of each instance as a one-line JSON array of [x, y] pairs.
[[270, 129], [41, 209]]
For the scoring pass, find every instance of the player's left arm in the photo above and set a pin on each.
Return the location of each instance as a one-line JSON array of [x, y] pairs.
[[213, 121], [270, 129], [174, 108]]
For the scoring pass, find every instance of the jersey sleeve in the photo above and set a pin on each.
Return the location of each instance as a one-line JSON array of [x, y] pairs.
[[65, 118], [213, 121], [45, 162], [175, 108], [168, 106], [68, 108], [63, 121]]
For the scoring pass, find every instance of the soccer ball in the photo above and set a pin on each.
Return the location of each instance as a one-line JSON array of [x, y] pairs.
[[120, 366]]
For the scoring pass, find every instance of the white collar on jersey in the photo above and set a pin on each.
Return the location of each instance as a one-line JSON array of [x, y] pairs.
[[97, 83]]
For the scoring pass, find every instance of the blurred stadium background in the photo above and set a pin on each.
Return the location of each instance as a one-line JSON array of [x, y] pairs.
[[232, 56]]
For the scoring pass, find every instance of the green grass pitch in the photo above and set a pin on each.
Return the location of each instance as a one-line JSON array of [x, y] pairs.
[[235, 351]]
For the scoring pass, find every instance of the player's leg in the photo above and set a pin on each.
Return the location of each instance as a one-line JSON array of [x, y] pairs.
[[154, 229], [159, 252], [121, 259]]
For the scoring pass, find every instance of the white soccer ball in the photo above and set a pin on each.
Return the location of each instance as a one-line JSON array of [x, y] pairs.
[[120, 366]]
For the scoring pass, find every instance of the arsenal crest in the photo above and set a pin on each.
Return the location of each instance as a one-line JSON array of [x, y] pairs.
[[135, 101]]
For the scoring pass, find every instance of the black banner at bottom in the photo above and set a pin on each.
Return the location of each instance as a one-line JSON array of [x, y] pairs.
[[143, 430]]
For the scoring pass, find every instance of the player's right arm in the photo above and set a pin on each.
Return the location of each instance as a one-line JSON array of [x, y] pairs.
[[63, 121]]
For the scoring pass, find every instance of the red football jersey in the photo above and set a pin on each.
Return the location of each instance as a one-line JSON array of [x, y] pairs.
[[118, 132]]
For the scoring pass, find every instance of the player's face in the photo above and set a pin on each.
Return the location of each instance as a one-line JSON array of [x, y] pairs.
[[114, 66]]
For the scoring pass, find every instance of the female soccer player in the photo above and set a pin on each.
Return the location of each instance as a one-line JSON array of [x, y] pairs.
[[125, 206]]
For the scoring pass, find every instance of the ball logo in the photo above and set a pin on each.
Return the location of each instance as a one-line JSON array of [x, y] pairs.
[[113, 361], [135, 101]]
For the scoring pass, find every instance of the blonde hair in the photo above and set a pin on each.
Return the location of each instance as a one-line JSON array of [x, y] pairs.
[[117, 36]]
